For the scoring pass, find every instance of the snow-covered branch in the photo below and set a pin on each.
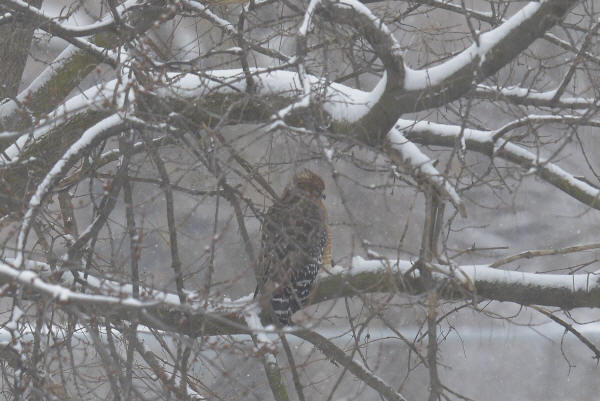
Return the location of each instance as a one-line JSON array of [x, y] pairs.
[[9, 109], [379, 36], [451, 79], [34, 16], [33, 282], [229, 29], [60, 77], [93, 99], [408, 155], [106, 128], [369, 115], [530, 97], [562, 290], [541, 119], [37, 17], [164, 311], [428, 133]]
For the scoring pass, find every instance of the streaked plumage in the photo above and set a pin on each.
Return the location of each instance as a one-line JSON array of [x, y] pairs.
[[295, 244]]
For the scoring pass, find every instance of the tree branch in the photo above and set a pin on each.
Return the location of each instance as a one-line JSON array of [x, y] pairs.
[[336, 354], [164, 311], [483, 142]]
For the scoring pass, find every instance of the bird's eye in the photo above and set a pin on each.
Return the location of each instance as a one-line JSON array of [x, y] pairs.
[[323, 195]]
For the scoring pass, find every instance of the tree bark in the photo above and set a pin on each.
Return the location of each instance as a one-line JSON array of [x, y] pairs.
[[15, 42]]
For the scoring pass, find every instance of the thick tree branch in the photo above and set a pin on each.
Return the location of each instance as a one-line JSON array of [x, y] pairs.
[[163, 311], [452, 79], [15, 43]]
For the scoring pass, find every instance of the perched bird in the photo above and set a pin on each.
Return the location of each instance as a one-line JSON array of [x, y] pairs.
[[295, 244]]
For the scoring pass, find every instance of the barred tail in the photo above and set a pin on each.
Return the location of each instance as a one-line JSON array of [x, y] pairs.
[[284, 306], [288, 301], [281, 308]]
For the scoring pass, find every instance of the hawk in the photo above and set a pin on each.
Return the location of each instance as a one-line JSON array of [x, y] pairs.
[[295, 244]]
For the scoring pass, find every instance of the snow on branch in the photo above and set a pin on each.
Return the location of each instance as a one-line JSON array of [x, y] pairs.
[[373, 113], [163, 310], [358, 15], [538, 119], [559, 91], [251, 316], [30, 280], [561, 290], [355, 14], [70, 35], [422, 167], [370, 115], [57, 80], [222, 23], [6, 18], [11, 107], [530, 97], [38, 17], [438, 85], [343, 103], [375, 31], [372, 28], [381, 39], [434, 76], [428, 133], [495, 19], [476, 274], [93, 98], [106, 128], [228, 28]]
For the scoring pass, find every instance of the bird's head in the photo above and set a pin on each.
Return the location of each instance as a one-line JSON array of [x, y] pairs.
[[311, 183]]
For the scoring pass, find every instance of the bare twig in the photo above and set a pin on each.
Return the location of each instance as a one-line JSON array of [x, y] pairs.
[[170, 209], [568, 327], [544, 252], [293, 367]]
